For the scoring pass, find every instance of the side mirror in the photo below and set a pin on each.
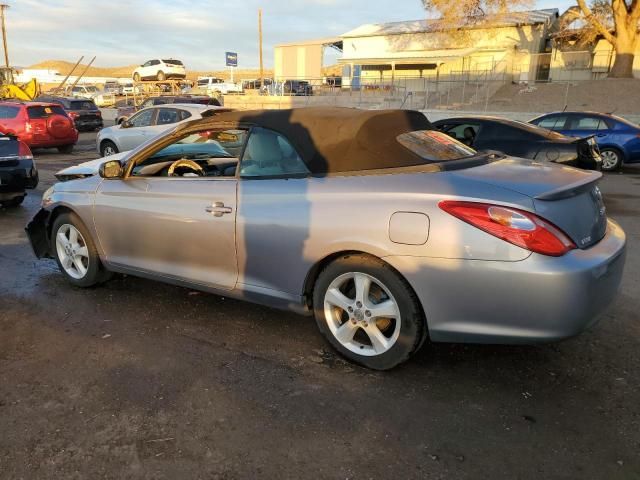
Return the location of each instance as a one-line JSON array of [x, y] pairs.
[[111, 169], [125, 124]]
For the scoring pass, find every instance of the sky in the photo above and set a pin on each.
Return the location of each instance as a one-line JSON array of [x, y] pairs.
[[126, 32]]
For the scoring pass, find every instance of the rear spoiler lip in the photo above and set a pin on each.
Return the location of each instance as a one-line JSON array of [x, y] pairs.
[[572, 189]]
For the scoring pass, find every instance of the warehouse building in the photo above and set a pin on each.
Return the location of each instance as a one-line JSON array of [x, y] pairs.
[[424, 49]]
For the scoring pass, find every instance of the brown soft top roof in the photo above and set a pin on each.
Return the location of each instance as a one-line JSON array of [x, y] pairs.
[[334, 139]]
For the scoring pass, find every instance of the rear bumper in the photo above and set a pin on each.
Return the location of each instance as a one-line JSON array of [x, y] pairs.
[[534, 300], [50, 142], [91, 123]]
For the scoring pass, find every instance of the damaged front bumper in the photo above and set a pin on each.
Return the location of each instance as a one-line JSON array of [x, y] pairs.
[[38, 232]]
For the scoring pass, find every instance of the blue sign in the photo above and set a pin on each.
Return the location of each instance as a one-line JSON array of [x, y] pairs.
[[232, 59]]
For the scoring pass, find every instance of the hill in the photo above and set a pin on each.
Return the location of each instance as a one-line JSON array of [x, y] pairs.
[[64, 67]]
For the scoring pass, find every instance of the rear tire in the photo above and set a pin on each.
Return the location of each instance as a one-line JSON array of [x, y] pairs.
[[14, 202], [107, 148], [76, 254], [66, 148], [611, 159], [368, 312]]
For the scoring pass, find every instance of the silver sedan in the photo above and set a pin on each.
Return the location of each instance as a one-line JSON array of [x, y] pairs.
[[388, 232]]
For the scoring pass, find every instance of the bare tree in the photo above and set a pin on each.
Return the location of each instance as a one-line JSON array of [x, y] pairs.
[[456, 14], [616, 21]]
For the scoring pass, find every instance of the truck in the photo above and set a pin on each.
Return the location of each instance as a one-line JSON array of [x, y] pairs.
[[214, 85]]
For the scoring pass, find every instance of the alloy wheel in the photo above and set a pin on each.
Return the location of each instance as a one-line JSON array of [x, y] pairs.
[[362, 314], [108, 150], [72, 251], [609, 159]]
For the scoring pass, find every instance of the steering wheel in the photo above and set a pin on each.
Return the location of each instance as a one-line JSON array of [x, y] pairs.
[[182, 166]]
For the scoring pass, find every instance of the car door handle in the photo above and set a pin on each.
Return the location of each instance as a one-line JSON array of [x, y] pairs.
[[218, 209]]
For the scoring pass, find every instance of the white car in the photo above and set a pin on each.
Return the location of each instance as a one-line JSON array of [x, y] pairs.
[[91, 92], [160, 70], [130, 89], [146, 124], [213, 85]]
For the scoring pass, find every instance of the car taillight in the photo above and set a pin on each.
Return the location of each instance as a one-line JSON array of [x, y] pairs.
[[73, 114], [28, 127], [99, 113], [515, 226], [24, 152]]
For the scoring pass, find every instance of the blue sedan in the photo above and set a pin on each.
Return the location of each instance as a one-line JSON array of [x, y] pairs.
[[618, 139]]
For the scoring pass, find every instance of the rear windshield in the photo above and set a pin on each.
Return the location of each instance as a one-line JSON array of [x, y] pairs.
[[172, 62], [83, 106], [45, 111], [435, 146], [536, 130]]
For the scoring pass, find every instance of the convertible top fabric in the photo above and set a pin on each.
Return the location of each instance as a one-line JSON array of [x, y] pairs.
[[333, 139]]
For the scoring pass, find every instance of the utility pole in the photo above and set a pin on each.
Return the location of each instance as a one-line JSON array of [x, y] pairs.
[[3, 7], [260, 46]]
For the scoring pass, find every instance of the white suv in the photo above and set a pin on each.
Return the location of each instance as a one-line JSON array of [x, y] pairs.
[[160, 70]]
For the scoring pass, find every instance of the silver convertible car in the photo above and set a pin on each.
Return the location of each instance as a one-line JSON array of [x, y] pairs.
[[387, 231]]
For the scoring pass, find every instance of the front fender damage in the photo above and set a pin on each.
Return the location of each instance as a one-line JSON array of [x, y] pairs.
[[38, 232]]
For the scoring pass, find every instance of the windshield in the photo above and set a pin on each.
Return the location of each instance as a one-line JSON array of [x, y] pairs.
[[91, 89], [172, 62], [435, 146], [44, 111]]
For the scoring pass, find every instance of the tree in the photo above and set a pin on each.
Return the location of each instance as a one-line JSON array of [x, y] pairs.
[[616, 21]]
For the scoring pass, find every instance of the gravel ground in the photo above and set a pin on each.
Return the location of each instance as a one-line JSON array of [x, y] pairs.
[[137, 379]]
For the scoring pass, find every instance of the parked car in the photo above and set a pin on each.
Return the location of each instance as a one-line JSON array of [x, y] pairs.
[[112, 86], [85, 114], [256, 84], [522, 140], [38, 124], [213, 85], [129, 109], [617, 138], [100, 97], [297, 87], [131, 89], [18, 171], [145, 124], [159, 70], [387, 231]]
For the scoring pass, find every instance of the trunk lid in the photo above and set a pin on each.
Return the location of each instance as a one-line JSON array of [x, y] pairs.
[[565, 196]]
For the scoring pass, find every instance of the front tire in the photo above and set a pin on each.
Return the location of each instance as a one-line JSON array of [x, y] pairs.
[[75, 252], [161, 77], [136, 77], [108, 148], [611, 159], [368, 312]]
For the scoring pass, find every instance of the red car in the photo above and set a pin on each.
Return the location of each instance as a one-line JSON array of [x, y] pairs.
[[38, 124]]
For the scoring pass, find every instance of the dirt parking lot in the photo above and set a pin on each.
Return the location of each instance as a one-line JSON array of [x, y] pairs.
[[137, 379]]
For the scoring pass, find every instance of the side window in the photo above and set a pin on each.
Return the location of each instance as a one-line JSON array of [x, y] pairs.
[[155, 62], [183, 115], [208, 153], [146, 103], [588, 123], [269, 154], [167, 116], [553, 123], [464, 132], [142, 119], [8, 112]]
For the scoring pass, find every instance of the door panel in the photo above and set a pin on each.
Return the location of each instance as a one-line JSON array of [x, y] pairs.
[[167, 226]]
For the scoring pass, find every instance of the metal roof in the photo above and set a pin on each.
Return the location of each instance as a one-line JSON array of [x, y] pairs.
[[531, 17]]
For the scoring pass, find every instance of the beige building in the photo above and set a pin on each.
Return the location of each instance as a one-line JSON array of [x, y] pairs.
[[496, 45]]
